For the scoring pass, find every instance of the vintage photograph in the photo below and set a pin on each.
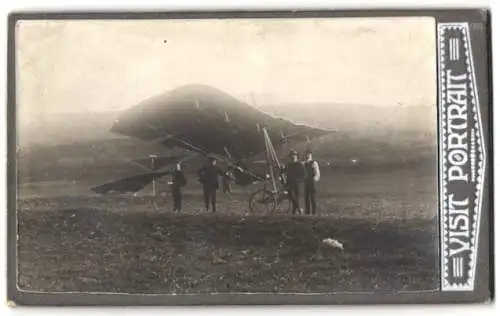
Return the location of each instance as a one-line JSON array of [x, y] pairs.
[[197, 156]]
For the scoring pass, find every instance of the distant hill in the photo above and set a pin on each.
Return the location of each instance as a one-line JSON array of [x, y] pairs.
[[67, 128], [413, 121], [76, 146], [359, 118]]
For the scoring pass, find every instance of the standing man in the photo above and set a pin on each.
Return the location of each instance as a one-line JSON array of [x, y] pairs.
[[209, 178], [178, 181], [312, 176], [294, 175]]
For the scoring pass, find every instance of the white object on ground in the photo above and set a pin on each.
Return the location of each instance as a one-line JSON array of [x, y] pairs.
[[333, 243]]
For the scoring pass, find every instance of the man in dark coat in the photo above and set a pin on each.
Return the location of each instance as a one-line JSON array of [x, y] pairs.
[[312, 176], [178, 181], [294, 175], [209, 178]]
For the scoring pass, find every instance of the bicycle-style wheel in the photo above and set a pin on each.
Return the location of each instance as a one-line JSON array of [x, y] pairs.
[[262, 201]]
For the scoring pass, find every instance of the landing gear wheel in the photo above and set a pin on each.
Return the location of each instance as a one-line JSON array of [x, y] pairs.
[[262, 201]]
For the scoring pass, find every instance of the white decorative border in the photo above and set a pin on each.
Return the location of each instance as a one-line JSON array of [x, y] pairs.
[[477, 155], [478, 128]]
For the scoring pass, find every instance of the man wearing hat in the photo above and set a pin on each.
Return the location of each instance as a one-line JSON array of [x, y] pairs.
[[209, 178], [312, 176], [294, 174]]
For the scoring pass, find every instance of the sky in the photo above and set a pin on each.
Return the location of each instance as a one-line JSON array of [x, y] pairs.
[[86, 66]]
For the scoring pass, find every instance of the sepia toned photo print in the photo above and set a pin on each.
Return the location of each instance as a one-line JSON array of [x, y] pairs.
[[246, 155]]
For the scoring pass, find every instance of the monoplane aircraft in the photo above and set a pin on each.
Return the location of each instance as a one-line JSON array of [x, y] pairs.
[[205, 121]]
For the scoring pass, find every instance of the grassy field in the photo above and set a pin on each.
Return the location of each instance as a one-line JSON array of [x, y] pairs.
[[72, 241]]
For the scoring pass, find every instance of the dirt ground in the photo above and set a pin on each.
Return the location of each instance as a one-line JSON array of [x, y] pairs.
[[386, 222]]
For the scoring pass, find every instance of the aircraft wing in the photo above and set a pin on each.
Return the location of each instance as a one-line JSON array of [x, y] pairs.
[[207, 121], [130, 184]]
